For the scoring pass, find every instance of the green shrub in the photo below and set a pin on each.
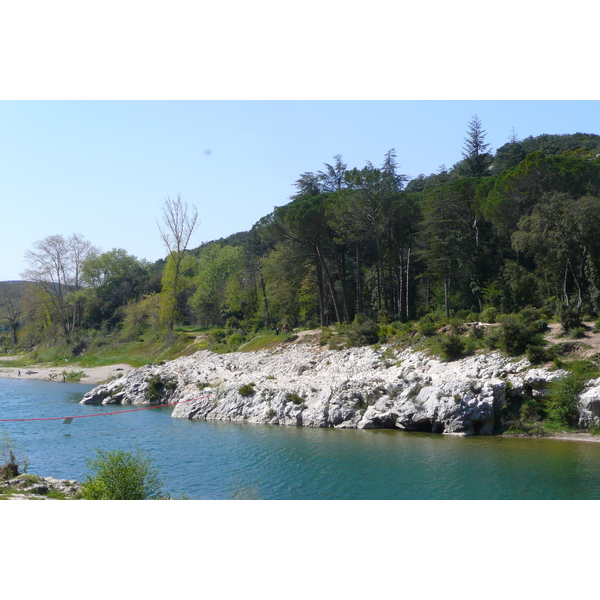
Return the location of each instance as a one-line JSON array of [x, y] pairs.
[[531, 410], [119, 475], [476, 332], [570, 318], [514, 336], [537, 355], [217, 336], [452, 346], [158, 386], [363, 331], [528, 315], [10, 468], [73, 376], [540, 325], [13, 461], [235, 340], [427, 326], [489, 314], [562, 401], [577, 332], [294, 398], [247, 389]]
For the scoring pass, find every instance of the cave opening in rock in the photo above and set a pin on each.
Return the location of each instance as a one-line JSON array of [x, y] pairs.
[[477, 425], [424, 427]]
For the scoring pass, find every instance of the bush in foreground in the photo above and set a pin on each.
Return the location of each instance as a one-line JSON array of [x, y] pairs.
[[120, 475], [13, 463]]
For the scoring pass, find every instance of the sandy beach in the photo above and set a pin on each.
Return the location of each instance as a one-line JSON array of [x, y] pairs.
[[92, 375]]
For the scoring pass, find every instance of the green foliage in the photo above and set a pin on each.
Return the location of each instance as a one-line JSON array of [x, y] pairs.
[[531, 410], [489, 314], [537, 354], [14, 461], [73, 376], [363, 331], [476, 157], [235, 340], [476, 332], [141, 317], [562, 402], [56, 495], [577, 332], [427, 325], [119, 475], [247, 389], [294, 398], [219, 270], [159, 387], [514, 336], [570, 318], [452, 346]]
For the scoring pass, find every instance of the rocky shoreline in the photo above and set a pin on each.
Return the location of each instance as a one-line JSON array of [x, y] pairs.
[[35, 487], [307, 385]]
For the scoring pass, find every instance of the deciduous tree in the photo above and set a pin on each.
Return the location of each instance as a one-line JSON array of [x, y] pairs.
[[179, 223]]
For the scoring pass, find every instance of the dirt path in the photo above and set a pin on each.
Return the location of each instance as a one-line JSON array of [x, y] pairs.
[[584, 347]]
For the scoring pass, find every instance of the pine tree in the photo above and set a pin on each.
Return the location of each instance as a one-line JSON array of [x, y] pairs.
[[475, 153]]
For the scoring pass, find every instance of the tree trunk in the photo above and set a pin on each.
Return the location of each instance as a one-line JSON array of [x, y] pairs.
[[359, 289], [407, 289], [447, 291], [263, 287], [321, 258], [321, 295]]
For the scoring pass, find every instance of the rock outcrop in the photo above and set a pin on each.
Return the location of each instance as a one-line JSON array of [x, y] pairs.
[[589, 404], [311, 386], [28, 486]]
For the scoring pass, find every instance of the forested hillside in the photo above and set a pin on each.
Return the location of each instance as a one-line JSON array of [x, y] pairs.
[[495, 233]]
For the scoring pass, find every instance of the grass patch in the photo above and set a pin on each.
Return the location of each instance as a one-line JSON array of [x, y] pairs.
[[294, 398], [56, 495], [247, 390], [73, 376], [262, 341]]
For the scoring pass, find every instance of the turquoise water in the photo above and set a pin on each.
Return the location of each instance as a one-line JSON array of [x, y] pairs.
[[207, 460]]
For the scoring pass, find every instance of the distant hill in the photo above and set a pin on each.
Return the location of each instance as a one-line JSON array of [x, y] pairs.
[[235, 239], [15, 285]]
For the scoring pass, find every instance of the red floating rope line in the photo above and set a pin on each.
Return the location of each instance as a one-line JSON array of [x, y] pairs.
[[116, 412]]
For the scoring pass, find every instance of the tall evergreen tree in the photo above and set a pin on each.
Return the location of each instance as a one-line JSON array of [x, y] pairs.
[[475, 150]]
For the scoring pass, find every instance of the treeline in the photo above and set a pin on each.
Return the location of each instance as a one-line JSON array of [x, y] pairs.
[[496, 232]]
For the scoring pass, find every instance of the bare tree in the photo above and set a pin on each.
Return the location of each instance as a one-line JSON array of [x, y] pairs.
[[55, 267], [179, 223]]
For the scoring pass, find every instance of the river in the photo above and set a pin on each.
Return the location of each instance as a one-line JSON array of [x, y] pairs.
[[208, 460]]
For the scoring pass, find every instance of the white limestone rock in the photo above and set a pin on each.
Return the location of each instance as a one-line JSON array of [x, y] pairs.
[[589, 404], [312, 386]]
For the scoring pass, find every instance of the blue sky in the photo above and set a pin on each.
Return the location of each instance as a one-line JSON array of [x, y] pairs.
[[103, 168]]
